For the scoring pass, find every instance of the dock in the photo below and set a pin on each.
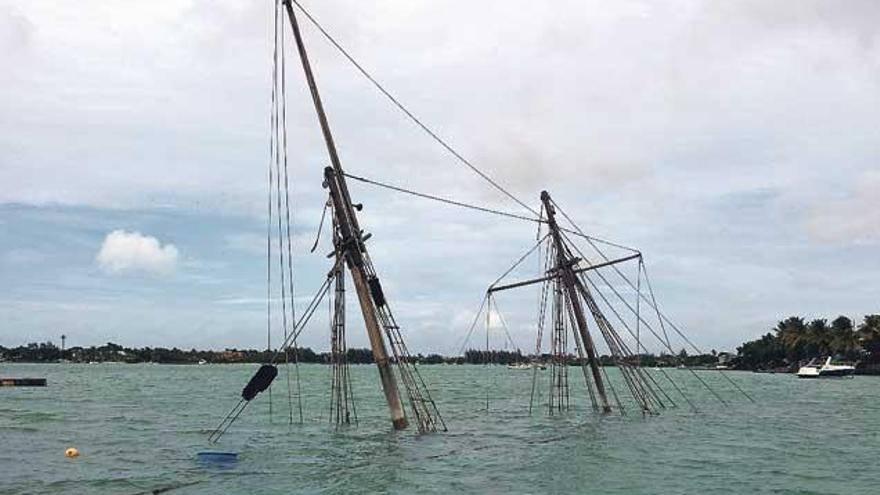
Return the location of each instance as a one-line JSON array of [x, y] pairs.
[[22, 382]]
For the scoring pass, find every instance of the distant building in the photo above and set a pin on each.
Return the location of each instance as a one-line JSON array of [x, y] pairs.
[[725, 357], [232, 356]]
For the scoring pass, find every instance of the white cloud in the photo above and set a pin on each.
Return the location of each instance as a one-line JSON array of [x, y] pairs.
[[133, 252]]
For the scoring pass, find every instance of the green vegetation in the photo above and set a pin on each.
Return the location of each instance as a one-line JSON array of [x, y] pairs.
[[789, 344], [110, 352], [476, 356], [793, 341], [48, 352]]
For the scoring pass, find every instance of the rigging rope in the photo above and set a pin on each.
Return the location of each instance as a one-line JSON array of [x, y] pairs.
[[276, 190], [298, 327], [283, 159], [540, 220], [280, 155], [467, 337], [408, 113], [288, 222], [543, 266], [652, 303], [440, 199], [306, 315], [519, 261], [638, 316], [273, 116], [494, 302], [320, 227]]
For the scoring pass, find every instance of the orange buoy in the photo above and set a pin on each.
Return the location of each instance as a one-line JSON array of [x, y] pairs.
[[71, 452]]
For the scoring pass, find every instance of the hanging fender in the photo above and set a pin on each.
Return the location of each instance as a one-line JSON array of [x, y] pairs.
[[259, 382]]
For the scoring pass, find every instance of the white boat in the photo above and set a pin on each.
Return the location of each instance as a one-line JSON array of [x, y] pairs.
[[202, 361], [526, 366], [814, 369]]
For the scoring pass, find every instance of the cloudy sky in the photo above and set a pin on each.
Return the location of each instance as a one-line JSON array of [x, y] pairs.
[[736, 144]]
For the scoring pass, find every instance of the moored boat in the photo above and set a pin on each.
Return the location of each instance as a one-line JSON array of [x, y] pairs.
[[526, 366], [814, 369]]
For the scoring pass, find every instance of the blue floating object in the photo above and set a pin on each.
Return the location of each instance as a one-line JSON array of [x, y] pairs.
[[217, 457]]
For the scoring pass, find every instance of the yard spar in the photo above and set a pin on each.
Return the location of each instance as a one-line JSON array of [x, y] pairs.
[[576, 296]]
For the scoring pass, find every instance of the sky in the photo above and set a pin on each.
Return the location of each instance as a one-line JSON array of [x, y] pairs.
[[735, 144]]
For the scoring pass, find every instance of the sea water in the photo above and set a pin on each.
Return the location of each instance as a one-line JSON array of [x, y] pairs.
[[140, 427]]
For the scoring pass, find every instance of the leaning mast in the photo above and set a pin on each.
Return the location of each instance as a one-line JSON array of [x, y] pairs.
[[377, 315], [572, 286]]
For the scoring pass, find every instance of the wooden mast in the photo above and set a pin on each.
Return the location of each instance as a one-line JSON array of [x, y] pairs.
[[352, 245], [570, 282]]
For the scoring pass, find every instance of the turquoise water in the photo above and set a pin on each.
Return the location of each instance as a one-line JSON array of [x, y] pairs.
[[139, 427]]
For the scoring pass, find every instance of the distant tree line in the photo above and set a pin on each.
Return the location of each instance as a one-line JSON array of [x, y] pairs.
[[47, 352], [110, 352], [794, 340], [478, 356], [791, 342]]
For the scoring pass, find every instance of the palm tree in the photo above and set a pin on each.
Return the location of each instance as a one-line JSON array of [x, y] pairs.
[[869, 335], [870, 327], [818, 339], [844, 341], [792, 334]]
